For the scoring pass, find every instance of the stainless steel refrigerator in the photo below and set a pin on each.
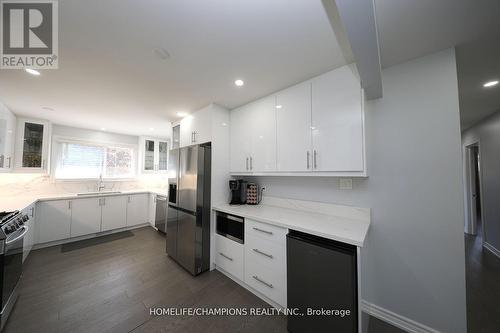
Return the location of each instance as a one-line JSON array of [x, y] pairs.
[[188, 212]]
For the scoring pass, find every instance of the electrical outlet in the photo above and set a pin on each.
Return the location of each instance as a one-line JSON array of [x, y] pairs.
[[345, 183]]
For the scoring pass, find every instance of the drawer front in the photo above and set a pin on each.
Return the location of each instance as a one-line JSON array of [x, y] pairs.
[[266, 253], [270, 283], [265, 231], [229, 256]]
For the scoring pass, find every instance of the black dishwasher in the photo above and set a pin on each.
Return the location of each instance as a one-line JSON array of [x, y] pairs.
[[322, 284]]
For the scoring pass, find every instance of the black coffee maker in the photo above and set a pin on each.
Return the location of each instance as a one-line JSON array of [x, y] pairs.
[[238, 189]]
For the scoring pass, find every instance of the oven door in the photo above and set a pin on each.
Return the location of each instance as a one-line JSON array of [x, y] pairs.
[[231, 226], [12, 267]]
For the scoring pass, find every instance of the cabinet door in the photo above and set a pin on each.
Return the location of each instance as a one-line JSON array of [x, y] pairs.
[[54, 220], [137, 209], [114, 212], [202, 125], [7, 130], [337, 118], [29, 238], [263, 133], [240, 140], [293, 117], [186, 131], [148, 162], [85, 216], [32, 151]]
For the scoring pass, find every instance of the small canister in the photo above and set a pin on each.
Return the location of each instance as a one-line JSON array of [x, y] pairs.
[[252, 194]]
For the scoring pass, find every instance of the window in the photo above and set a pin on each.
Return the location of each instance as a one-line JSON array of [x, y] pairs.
[[89, 160]]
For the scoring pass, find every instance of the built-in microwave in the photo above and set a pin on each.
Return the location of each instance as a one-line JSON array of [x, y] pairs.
[[231, 226]]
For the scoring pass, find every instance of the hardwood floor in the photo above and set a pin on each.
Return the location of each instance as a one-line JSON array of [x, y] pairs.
[[110, 284], [483, 287]]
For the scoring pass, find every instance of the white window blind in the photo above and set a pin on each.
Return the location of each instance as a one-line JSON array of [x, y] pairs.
[[88, 160]]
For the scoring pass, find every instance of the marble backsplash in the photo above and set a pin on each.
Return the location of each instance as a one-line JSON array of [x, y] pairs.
[[14, 184]]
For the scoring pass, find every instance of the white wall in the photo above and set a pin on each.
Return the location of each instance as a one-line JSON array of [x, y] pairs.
[[413, 261], [487, 133]]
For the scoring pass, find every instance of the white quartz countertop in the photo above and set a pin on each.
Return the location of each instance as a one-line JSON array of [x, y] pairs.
[[341, 223], [18, 202]]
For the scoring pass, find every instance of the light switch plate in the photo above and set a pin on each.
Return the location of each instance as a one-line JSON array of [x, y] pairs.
[[345, 183]]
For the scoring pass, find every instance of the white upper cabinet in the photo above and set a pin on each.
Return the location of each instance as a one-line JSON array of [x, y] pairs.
[[154, 155], [241, 140], [85, 216], [262, 123], [316, 128], [32, 145], [196, 128], [293, 116], [7, 135], [337, 122], [53, 220]]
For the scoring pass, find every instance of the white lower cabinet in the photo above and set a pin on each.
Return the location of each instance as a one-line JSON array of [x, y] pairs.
[[85, 216], [137, 209], [29, 238], [229, 256], [54, 220], [114, 212], [260, 263]]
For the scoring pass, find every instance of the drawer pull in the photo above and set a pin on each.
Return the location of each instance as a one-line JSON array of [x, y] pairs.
[[264, 231], [263, 282], [270, 256], [228, 258]]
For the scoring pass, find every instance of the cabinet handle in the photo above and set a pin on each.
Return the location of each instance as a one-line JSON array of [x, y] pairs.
[[308, 155], [32, 211], [251, 163], [263, 282], [315, 159], [247, 163], [8, 159], [264, 231], [228, 258], [69, 204], [104, 201], [194, 136], [270, 256]]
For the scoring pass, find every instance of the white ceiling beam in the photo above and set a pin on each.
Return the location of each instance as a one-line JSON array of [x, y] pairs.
[[358, 25]]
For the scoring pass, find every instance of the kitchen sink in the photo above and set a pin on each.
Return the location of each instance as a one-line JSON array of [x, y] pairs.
[[98, 193]]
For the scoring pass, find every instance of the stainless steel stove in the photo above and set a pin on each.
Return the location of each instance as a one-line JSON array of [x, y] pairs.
[[12, 232]]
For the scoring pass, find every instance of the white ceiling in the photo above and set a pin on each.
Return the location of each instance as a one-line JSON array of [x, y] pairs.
[[109, 77], [410, 29], [478, 62]]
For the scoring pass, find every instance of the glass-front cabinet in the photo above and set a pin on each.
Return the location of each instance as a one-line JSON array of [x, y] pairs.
[[154, 155], [32, 145]]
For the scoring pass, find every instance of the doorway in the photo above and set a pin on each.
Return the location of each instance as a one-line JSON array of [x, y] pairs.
[[475, 221]]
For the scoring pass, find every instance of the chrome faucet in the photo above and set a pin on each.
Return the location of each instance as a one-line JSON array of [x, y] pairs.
[[100, 186]]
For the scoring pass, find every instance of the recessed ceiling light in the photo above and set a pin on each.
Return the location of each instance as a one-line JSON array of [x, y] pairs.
[[490, 84], [181, 114], [151, 129], [239, 83], [32, 71], [279, 106], [103, 128]]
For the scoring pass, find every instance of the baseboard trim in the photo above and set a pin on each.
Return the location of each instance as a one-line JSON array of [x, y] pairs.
[[395, 319], [491, 248]]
